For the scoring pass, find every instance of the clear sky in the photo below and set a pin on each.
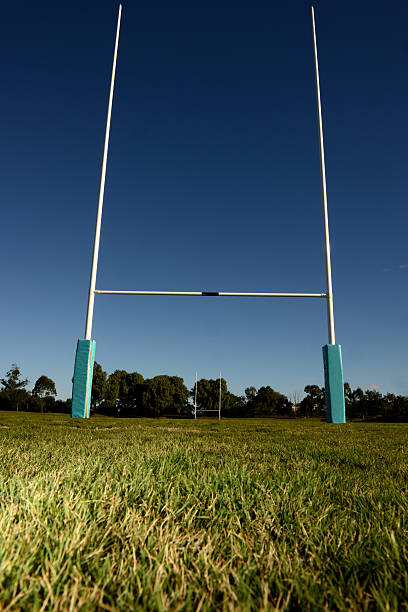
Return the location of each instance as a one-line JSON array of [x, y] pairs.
[[213, 183]]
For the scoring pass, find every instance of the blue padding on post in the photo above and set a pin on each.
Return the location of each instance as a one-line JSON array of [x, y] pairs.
[[333, 384], [82, 381]]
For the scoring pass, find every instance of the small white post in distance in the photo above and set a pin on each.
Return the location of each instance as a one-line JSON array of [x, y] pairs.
[[195, 397], [94, 269], [219, 402], [329, 290]]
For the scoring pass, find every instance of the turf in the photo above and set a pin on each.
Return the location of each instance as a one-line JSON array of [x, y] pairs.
[[122, 514]]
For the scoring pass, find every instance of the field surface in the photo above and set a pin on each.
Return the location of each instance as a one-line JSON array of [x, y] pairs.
[[129, 514]]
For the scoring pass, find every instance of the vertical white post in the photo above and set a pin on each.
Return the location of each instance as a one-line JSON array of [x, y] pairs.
[[329, 290], [195, 398], [219, 402], [92, 282]]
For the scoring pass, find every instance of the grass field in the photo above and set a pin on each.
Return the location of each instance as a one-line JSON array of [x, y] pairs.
[[122, 514]]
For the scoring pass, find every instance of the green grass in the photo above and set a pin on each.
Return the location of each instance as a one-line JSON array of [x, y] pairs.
[[182, 515]]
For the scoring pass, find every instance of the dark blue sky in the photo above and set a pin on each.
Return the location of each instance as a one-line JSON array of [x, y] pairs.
[[213, 184]]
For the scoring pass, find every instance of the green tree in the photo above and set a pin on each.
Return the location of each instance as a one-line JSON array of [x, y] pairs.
[[250, 395], [374, 403], [208, 395], [99, 386], [116, 389], [132, 403], [400, 408], [348, 398], [314, 402], [236, 406], [14, 395], [123, 393], [389, 404], [359, 405], [205, 400], [268, 402], [13, 380], [179, 395], [44, 390], [306, 407], [44, 387], [164, 395]]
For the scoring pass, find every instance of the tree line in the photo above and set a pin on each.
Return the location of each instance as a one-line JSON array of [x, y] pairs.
[[14, 395], [129, 394]]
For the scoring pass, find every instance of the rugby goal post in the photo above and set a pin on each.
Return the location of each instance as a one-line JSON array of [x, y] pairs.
[[85, 353], [217, 410]]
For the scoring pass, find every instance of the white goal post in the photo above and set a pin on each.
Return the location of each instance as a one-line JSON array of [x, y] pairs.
[[82, 382]]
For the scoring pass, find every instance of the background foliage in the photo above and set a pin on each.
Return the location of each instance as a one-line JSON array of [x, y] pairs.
[[128, 394]]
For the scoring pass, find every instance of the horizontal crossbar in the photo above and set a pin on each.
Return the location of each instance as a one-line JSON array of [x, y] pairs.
[[213, 293]]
